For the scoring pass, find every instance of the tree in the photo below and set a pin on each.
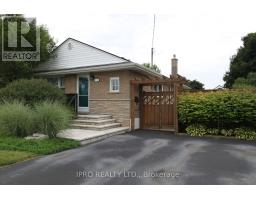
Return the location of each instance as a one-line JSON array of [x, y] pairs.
[[13, 70], [154, 67], [195, 85], [242, 63], [248, 82]]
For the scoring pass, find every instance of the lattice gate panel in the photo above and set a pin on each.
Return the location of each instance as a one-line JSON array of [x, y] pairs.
[[157, 110]]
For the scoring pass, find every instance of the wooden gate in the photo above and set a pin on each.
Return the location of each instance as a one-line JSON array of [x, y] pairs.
[[158, 110]]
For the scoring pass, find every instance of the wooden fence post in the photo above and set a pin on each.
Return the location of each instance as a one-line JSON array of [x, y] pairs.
[[132, 105]]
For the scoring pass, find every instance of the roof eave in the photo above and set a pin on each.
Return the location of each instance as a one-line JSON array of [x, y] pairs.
[[116, 67]]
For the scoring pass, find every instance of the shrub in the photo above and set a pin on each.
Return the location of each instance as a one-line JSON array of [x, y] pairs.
[[226, 133], [245, 134], [51, 117], [16, 119], [196, 130], [31, 91], [212, 131], [223, 109]]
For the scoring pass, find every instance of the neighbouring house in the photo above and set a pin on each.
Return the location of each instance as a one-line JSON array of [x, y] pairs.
[[99, 79]]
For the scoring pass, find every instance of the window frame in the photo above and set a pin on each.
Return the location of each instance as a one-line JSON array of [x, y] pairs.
[[158, 88], [111, 85], [57, 81], [60, 79]]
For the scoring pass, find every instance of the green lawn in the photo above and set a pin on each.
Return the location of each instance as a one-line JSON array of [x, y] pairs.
[[10, 157], [13, 149]]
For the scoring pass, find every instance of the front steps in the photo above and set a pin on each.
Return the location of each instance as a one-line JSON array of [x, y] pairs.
[[89, 136], [93, 117], [95, 122], [97, 127], [91, 128], [104, 134]]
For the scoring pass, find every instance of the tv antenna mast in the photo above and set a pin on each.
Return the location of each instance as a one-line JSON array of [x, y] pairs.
[[152, 47]]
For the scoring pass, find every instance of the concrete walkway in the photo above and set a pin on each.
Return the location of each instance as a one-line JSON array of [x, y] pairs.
[[88, 136]]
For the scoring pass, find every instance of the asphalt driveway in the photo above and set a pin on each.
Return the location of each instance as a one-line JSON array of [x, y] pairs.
[[142, 157]]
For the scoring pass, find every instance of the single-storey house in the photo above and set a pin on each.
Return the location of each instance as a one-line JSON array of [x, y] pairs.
[[99, 79]]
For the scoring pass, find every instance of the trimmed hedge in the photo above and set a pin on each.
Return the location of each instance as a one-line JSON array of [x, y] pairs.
[[31, 91], [221, 110]]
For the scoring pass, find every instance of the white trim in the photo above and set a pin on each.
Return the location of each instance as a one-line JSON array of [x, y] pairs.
[[110, 84], [83, 109], [114, 67]]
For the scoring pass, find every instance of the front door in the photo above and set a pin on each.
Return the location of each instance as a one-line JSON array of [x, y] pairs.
[[83, 91]]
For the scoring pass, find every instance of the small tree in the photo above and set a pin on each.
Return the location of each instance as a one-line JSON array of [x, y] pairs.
[[154, 67], [195, 85]]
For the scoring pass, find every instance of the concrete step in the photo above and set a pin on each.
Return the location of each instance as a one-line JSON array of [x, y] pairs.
[[94, 117], [93, 121], [95, 127], [104, 134], [87, 136]]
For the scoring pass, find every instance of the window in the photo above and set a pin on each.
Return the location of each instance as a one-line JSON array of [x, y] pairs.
[[53, 81], [59, 82], [158, 88], [114, 84]]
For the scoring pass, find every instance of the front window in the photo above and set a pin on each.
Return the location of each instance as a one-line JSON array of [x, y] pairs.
[[114, 84], [53, 81], [59, 82]]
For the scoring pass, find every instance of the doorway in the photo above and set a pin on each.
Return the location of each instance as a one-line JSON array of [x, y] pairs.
[[83, 93]]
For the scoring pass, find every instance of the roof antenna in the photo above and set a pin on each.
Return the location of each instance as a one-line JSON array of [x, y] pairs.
[[152, 47]]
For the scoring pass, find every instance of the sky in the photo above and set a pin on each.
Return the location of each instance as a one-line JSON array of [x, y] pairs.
[[203, 34]]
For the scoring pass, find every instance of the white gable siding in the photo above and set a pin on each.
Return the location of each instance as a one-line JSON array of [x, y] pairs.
[[79, 55]]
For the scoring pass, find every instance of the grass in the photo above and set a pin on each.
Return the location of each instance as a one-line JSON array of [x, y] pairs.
[[13, 149], [41, 147], [10, 157]]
